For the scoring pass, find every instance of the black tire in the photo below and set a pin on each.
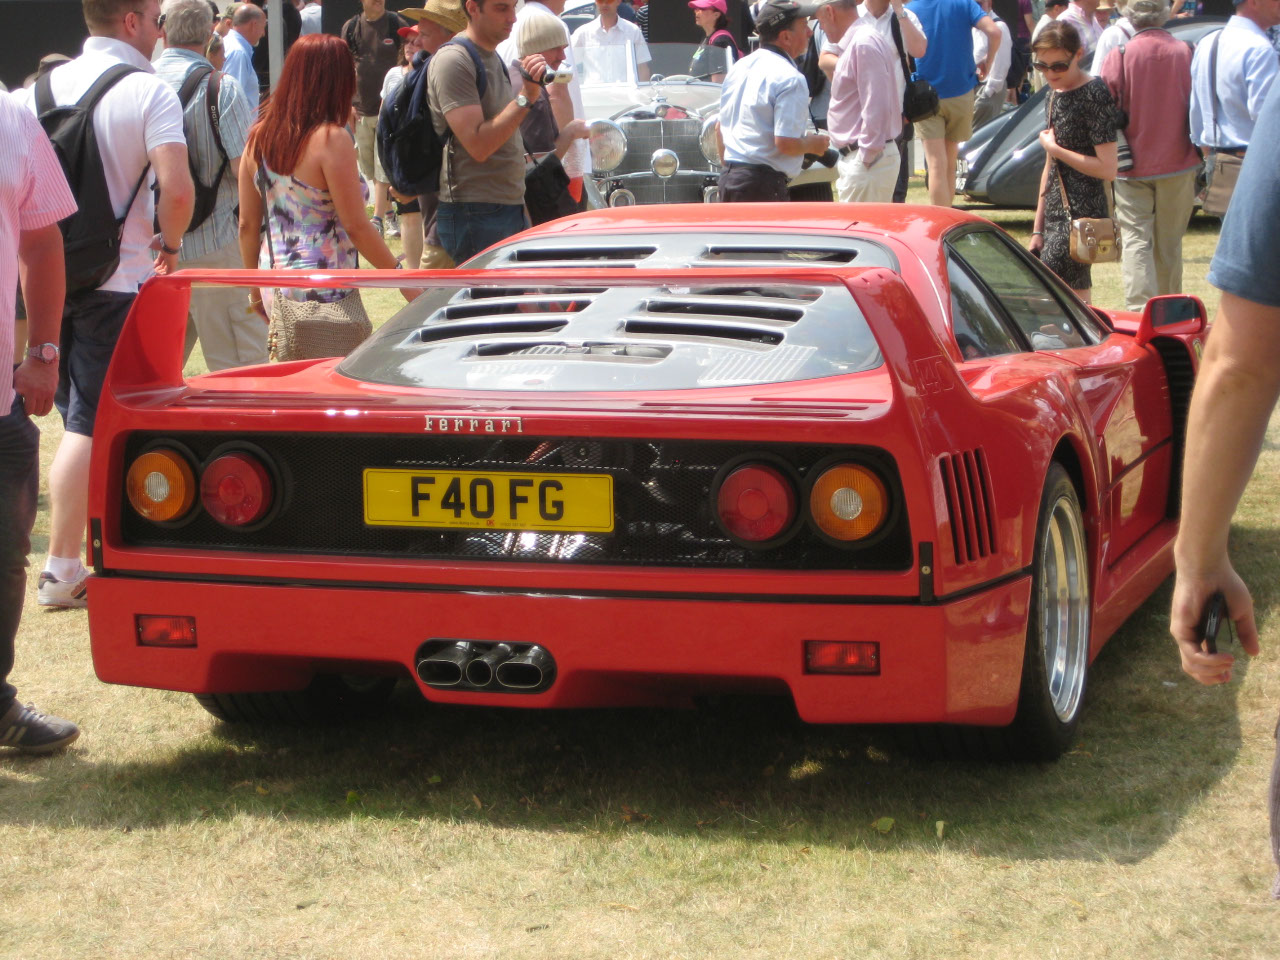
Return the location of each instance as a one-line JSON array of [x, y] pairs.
[[812, 193], [1049, 698], [329, 698]]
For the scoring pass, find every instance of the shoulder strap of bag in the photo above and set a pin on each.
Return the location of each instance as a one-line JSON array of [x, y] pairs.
[[1123, 85], [482, 75], [212, 94], [897, 42], [89, 102]]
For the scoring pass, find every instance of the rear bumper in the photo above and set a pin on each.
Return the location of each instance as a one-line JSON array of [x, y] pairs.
[[958, 661]]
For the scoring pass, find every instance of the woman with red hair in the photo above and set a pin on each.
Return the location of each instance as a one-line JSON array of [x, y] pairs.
[[301, 160]]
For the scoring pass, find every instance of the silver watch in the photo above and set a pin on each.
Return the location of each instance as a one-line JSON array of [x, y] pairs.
[[44, 352], [523, 101]]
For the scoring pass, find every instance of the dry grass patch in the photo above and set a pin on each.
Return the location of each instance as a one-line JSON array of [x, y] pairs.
[[735, 831]]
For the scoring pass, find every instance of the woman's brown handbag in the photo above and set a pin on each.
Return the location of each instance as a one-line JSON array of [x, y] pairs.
[[311, 329]]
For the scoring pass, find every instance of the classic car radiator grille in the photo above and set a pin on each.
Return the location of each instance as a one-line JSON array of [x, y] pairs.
[[646, 136], [969, 505], [661, 491]]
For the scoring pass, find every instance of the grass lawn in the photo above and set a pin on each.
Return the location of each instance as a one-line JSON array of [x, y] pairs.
[[729, 832]]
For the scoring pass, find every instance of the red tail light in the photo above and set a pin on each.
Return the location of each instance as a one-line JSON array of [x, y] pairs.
[[236, 489], [756, 503], [161, 631], [841, 656]]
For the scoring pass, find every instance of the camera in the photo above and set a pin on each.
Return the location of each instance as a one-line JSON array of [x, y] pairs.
[[562, 74]]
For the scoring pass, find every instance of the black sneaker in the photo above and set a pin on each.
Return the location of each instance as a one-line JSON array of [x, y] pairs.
[[27, 730]]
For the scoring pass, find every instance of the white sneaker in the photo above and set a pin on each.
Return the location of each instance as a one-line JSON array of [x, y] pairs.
[[393, 224], [63, 593]]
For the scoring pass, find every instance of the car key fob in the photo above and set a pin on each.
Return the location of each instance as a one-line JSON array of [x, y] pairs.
[[1212, 617]]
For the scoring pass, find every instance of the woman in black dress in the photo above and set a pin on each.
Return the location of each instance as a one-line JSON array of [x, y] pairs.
[[1080, 151]]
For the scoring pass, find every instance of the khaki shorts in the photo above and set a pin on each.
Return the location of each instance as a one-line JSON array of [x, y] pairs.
[[953, 122], [367, 149]]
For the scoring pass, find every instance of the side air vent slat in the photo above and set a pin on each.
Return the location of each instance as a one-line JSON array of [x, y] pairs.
[[970, 507]]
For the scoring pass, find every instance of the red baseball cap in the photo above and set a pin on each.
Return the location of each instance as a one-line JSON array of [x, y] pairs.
[[720, 5]]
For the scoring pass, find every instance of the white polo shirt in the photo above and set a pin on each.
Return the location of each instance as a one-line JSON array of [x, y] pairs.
[[141, 112], [608, 69]]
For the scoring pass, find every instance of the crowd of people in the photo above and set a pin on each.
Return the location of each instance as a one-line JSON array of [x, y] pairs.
[[246, 180]]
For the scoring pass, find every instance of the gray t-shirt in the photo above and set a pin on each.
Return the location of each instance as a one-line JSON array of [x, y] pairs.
[[451, 83]]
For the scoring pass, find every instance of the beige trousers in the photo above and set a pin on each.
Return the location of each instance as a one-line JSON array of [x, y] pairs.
[[231, 333], [1153, 216]]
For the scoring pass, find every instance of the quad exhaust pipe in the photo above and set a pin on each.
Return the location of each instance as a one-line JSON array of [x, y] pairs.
[[468, 665]]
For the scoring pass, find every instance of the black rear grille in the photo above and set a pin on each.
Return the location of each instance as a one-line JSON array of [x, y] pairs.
[[969, 506], [662, 501]]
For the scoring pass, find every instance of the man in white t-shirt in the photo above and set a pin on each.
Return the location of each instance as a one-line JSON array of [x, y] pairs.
[[138, 123], [608, 30]]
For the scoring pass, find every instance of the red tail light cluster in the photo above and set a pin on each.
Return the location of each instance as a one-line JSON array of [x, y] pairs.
[[235, 488], [758, 502]]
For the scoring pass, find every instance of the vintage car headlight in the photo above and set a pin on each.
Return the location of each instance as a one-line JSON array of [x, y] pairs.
[[608, 145], [707, 141], [622, 197], [665, 163]]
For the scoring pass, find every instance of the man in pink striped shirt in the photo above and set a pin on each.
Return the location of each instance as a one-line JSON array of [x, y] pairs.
[[865, 114], [34, 196]]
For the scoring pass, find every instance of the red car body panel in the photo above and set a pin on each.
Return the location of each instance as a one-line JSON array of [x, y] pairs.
[[952, 628]]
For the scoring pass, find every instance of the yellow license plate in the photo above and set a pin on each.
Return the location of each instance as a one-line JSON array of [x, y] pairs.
[[485, 500]]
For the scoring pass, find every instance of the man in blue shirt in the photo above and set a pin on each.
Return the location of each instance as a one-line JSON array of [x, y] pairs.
[[764, 106], [948, 65], [1223, 113], [1233, 399], [248, 26]]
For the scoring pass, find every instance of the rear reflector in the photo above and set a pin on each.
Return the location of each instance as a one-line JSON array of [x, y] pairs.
[[160, 631], [841, 656]]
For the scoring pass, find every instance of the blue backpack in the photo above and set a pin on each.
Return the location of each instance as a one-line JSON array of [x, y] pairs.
[[411, 151]]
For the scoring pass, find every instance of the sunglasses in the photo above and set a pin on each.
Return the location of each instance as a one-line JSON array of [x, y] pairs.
[[1058, 66]]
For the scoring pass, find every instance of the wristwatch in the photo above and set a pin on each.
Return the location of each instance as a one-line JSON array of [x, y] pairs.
[[523, 101], [44, 352], [165, 248]]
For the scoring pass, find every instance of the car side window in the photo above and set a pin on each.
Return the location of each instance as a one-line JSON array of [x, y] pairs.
[[975, 320], [1027, 298]]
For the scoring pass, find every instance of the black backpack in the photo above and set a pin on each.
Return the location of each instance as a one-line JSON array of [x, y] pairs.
[[411, 151], [91, 235], [206, 197]]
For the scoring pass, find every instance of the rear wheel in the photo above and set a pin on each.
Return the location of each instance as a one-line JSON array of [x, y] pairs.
[[328, 698], [1056, 659]]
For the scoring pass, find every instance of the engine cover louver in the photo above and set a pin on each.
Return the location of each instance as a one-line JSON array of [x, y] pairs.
[[966, 481]]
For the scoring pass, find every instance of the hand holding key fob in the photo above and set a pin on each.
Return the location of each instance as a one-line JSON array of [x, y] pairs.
[[1212, 618]]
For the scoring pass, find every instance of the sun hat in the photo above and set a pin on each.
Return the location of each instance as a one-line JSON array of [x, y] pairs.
[[445, 13]]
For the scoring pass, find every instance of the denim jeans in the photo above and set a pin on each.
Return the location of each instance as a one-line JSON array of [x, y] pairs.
[[19, 488], [467, 228]]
